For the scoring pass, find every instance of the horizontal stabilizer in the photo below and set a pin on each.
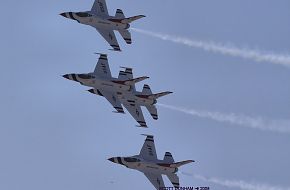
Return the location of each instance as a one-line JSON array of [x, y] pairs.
[[131, 19], [126, 36], [174, 179], [158, 95], [153, 111]]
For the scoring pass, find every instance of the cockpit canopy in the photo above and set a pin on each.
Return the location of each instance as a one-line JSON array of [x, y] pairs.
[[130, 159], [83, 14], [86, 76]]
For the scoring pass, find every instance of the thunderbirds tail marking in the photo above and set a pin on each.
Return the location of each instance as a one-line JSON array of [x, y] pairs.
[[168, 158], [119, 14]]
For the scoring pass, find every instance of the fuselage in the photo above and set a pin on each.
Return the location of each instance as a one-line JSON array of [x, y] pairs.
[[130, 96], [146, 166], [96, 82], [142, 100], [96, 21], [123, 91]]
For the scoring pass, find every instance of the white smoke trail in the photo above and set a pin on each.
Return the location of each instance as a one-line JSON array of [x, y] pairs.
[[282, 126], [235, 183], [256, 55]]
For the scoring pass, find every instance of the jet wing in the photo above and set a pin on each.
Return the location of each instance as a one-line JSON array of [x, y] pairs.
[[135, 111], [100, 8], [174, 180], [155, 179], [102, 68], [148, 151], [113, 99], [110, 37]]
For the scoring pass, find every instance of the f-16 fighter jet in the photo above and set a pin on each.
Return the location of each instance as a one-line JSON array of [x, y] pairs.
[[133, 100], [99, 18], [148, 163], [117, 90]]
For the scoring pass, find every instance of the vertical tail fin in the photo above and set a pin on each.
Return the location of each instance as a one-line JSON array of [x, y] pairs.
[[119, 14], [131, 19], [178, 164], [168, 158], [126, 75], [158, 95], [146, 90], [135, 80]]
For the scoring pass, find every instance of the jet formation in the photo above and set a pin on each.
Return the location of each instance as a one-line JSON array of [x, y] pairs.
[[153, 168], [120, 91], [99, 18]]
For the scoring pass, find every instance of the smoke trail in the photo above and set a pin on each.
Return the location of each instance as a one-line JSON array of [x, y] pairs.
[[282, 59], [235, 183], [282, 126]]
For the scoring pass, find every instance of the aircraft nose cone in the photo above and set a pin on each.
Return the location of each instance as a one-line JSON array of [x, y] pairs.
[[111, 159], [65, 76], [63, 14]]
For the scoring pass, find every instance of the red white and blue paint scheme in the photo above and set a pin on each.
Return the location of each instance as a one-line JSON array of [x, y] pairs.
[[119, 90], [98, 17], [132, 100], [153, 168]]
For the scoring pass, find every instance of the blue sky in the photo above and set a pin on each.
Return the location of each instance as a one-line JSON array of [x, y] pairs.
[[55, 135]]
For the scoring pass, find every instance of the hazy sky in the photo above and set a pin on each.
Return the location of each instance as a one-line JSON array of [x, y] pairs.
[[56, 135]]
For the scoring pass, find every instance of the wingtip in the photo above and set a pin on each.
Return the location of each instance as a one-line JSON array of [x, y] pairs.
[[122, 67], [146, 135], [100, 54], [119, 112], [118, 50]]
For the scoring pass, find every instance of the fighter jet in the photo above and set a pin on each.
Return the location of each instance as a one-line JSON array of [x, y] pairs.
[[120, 90], [98, 17], [133, 100], [148, 163]]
